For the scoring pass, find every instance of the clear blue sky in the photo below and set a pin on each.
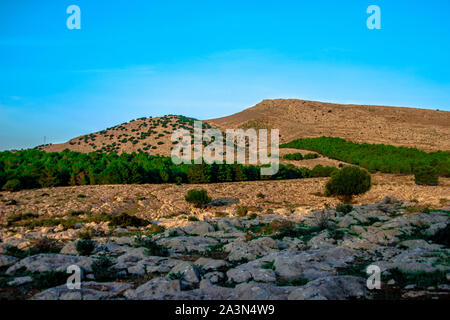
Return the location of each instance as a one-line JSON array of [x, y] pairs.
[[208, 59]]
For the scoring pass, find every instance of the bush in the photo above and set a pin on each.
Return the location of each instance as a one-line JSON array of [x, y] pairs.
[[426, 175], [293, 156], [442, 236], [311, 156], [198, 198], [344, 208], [347, 182], [101, 269], [85, 247], [12, 185], [241, 211], [125, 220], [153, 249], [260, 195]]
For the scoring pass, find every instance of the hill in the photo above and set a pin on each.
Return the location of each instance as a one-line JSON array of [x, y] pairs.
[[151, 135], [428, 130]]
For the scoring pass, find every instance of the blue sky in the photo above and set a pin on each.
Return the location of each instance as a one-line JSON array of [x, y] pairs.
[[208, 59]]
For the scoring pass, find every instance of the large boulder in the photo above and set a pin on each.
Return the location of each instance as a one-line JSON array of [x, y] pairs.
[[151, 264], [251, 250], [199, 228], [331, 288], [6, 261], [88, 291], [188, 244], [50, 262], [157, 288], [208, 264], [189, 271]]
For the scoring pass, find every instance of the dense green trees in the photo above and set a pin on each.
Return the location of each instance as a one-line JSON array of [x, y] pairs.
[[34, 169], [376, 157]]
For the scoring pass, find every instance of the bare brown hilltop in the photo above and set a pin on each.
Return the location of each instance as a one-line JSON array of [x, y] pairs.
[[424, 129], [428, 130]]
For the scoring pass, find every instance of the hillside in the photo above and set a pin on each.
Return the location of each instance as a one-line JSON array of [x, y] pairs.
[[428, 130], [151, 135]]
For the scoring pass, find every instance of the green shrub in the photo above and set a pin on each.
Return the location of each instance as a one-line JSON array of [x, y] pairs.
[[241, 211], [101, 269], [152, 248], [85, 247], [192, 218], [311, 156], [125, 220], [12, 185], [426, 175], [49, 279], [268, 265], [44, 246], [175, 276], [293, 156], [442, 236], [198, 198], [344, 208], [20, 217], [260, 195], [321, 171], [347, 182]]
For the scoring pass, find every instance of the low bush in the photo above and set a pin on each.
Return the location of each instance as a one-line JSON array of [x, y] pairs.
[[198, 198], [311, 156], [12, 185], [347, 182], [344, 208], [126, 220], [293, 156], [153, 249], [241, 211], [85, 247], [426, 175], [101, 269]]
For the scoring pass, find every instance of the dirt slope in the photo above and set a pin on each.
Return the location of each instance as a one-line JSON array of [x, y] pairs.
[[425, 129]]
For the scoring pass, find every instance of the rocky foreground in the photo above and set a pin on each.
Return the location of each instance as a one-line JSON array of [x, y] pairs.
[[321, 254]]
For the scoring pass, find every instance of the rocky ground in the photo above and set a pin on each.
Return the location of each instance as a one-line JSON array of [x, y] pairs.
[[233, 254]]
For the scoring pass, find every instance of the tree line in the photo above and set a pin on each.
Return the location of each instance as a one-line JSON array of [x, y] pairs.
[[376, 157], [37, 169]]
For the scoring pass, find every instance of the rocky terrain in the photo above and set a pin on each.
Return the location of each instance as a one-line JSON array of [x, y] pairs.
[[232, 254]]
